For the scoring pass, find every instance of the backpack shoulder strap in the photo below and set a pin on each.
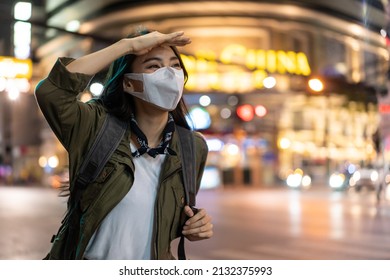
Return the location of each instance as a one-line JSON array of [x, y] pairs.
[[187, 152], [101, 150]]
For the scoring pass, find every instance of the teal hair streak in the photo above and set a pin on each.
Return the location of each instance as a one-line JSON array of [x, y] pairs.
[[114, 78], [118, 69]]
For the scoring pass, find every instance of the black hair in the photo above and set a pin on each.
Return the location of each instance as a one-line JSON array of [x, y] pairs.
[[121, 104]]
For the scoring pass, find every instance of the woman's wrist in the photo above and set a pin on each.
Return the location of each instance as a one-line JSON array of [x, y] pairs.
[[125, 46]]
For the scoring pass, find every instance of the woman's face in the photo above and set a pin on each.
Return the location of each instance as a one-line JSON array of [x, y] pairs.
[[150, 62], [155, 59]]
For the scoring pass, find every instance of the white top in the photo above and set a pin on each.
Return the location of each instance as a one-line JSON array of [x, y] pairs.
[[126, 232]]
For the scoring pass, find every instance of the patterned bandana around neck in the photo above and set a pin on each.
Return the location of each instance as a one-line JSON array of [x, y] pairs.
[[162, 148]]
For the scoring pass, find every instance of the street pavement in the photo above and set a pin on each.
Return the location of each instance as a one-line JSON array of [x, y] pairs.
[[285, 224], [28, 219], [250, 223]]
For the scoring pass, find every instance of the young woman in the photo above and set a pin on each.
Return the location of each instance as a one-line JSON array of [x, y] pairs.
[[133, 210]]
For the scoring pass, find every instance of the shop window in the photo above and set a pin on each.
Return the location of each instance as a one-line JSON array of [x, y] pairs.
[[372, 68], [298, 123], [335, 56]]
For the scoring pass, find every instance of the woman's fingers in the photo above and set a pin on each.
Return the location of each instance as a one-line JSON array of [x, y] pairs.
[[188, 211], [175, 39], [143, 44], [198, 226], [180, 38]]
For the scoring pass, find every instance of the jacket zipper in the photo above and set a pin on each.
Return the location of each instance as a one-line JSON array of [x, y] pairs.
[[155, 227]]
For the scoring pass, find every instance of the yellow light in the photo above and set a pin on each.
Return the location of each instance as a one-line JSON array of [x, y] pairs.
[[85, 97], [284, 143], [11, 67], [53, 161], [316, 85], [42, 161], [251, 59], [261, 61], [233, 54], [271, 61], [233, 149], [258, 78], [298, 171], [302, 66], [287, 62]]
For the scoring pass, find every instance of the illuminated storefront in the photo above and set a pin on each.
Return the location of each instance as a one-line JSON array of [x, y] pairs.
[[275, 121], [15, 75], [221, 81]]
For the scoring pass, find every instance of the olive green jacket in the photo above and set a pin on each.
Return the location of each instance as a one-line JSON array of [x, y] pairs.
[[76, 124]]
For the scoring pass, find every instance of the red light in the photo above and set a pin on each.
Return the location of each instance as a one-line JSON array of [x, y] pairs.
[[260, 111], [384, 108], [387, 41], [245, 112]]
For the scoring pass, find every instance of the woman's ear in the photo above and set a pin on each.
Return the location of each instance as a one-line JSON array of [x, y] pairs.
[[127, 85], [130, 85]]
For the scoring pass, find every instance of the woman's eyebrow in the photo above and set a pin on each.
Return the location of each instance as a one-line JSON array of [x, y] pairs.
[[158, 59], [152, 58]]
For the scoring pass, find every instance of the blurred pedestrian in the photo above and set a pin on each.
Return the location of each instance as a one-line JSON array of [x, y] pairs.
[[381, 165], [133, 209]]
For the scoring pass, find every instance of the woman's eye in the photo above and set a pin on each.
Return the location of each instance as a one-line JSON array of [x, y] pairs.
[[153, 66], [176, 65]]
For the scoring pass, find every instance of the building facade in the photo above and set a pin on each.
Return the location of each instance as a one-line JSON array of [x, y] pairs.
[[249, 64]]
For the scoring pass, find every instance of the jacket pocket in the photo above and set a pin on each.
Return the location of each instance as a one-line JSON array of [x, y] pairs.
[[93, 189], [117, 166]]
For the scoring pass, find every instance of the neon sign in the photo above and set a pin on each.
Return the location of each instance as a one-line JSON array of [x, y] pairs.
[[239, 69], [12, 68]]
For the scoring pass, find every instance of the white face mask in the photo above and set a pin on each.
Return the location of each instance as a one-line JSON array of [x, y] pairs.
[[163, 87]]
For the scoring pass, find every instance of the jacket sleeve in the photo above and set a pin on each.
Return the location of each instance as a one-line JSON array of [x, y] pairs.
[[57, 98]]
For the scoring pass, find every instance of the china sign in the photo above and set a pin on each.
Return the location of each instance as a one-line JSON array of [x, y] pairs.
[[237, 68], [14, 68]]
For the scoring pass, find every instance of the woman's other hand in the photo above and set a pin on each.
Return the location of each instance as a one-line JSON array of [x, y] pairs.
[[198, 226]]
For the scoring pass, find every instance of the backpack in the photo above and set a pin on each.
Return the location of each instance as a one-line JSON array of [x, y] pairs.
[[106, 143]]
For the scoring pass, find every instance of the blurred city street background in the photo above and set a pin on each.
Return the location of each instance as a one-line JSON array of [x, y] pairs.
[[250, 224], [292, 98]]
